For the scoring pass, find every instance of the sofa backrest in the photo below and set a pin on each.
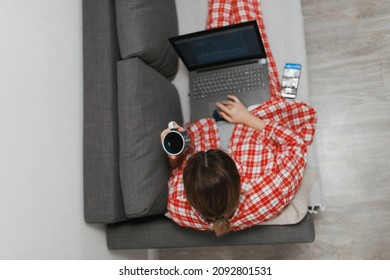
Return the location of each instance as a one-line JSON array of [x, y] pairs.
[[129, 36], [102, 196]]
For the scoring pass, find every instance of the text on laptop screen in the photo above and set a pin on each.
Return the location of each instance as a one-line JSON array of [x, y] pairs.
[[221, 45]]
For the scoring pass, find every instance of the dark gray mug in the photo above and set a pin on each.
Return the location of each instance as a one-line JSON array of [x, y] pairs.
[[175, 142]]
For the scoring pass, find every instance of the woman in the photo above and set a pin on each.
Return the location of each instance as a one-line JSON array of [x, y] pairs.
[[257, 176], [265, 150]]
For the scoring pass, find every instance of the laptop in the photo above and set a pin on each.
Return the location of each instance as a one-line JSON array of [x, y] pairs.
[[222, 61]]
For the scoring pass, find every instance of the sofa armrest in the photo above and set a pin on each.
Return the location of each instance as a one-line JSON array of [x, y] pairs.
[[163, 233]]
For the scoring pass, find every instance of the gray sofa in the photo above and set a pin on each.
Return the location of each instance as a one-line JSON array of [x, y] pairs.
[[128, 100]]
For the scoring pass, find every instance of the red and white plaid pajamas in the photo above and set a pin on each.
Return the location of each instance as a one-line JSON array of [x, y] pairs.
[[270, 162]]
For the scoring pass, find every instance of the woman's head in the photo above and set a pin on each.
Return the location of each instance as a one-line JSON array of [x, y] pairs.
[[212, 184]]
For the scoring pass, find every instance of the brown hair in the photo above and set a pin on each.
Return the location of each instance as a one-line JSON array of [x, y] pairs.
[[212, 185]]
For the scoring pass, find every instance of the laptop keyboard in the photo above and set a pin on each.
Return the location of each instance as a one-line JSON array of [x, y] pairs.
[[230, 81]]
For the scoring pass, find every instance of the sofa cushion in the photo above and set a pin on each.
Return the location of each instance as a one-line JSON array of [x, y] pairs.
[[144, 27], [147, 101]]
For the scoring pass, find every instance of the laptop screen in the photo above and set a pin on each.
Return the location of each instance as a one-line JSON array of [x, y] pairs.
[[220, 45]]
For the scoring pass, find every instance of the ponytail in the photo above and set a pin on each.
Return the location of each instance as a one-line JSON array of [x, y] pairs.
[[221, 227]]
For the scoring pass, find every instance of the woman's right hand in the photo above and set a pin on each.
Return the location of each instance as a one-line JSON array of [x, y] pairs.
[[233, 110]]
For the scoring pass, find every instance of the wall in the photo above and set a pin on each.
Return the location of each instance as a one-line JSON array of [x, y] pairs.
[[41, 199]]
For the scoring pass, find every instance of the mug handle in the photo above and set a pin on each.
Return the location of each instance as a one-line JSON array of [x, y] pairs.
[[172, 125]]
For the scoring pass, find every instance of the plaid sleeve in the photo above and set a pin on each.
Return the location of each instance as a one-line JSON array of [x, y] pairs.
[[284, 137], [271, 192], [227, 12], [203, 134], [296, 116]]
